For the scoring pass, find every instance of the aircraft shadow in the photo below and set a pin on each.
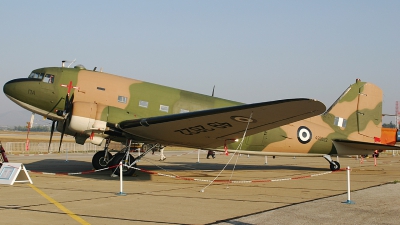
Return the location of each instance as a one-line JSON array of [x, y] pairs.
[[85, 169], [219, 166]]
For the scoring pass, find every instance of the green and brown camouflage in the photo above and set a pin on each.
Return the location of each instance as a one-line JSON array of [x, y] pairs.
[[355, 116], [94, 106], [101, 98]]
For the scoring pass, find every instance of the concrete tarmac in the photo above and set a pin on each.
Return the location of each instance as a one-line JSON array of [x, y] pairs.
[[260, 194]]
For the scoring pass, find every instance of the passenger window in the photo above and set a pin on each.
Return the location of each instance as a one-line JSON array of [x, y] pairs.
[[48, 78], [122, 99]]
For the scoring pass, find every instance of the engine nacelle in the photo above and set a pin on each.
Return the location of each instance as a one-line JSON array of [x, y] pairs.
[[85, 122], [86, 118]]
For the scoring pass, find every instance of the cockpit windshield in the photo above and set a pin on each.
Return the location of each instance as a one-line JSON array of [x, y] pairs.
[[46, 78], [38, 76]]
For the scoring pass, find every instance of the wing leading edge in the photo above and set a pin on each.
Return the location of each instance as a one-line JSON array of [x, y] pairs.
[[210, 128]]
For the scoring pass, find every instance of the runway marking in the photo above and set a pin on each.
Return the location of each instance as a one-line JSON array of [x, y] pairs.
[[59, 205]]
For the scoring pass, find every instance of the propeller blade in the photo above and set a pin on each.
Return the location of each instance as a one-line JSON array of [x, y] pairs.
[[62, 134], [51, 134], [71, 100], [66, 105], [67, 117]]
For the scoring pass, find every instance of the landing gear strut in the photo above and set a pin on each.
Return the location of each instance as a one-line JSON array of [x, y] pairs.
[[128, 161], [334, 165]]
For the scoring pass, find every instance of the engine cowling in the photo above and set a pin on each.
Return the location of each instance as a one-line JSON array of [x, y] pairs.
[[86, 120], [86, 116]]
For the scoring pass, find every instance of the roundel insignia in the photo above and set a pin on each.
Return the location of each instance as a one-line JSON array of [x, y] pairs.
[[304, 135], [243, 119]]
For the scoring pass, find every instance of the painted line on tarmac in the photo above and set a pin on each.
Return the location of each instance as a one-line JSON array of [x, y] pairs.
[[59, 205]]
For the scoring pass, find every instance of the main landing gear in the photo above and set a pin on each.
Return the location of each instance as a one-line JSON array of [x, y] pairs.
[[101, 159], [334, 165], [104, 159]]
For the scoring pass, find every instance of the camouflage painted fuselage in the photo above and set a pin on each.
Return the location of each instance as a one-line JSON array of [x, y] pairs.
[[102, 100]]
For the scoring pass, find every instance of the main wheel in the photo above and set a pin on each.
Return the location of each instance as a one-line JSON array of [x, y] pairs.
[[335, 166], [125, 170], [99, 161]]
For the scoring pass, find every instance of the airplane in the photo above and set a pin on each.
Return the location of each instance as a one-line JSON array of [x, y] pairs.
[[96, 106]]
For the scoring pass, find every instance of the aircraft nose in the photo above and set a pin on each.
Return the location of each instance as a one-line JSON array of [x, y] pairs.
[[10, 87], [7, 88]]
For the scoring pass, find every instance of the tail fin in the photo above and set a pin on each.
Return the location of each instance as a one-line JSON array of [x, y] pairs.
[[357, 114]]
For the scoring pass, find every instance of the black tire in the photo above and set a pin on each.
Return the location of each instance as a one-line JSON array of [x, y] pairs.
[[125, 170], [98, 160], [335, 166], [146, 147]]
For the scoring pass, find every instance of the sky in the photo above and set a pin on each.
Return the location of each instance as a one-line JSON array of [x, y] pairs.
[[252, 51]]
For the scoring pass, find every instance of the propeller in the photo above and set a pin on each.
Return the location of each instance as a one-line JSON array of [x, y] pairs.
[[67, 113]]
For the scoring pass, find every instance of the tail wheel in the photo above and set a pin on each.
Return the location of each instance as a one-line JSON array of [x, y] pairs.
[[125, 170], [146, 147], [335, 166], [99, 161]]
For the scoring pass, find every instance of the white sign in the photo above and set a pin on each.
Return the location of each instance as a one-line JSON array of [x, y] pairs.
[[10, 173]]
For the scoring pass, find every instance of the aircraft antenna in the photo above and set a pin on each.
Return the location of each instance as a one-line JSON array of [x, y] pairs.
[[71, 63], [213, 91]]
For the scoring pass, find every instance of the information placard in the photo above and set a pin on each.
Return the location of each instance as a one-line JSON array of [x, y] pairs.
[[11, 173]]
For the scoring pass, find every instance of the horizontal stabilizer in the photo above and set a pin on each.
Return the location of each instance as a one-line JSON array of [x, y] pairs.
[[346, 147], [261, 153]]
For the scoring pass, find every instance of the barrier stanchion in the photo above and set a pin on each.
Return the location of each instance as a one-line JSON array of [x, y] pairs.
[[121, 193], [266, 160], [348, 187], [3, 155], [198, 156], [66, 155]]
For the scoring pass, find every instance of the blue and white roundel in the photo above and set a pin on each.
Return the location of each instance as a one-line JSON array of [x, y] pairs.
[[304, 135]]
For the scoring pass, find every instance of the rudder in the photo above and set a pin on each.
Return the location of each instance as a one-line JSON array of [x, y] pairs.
[[357, 113]]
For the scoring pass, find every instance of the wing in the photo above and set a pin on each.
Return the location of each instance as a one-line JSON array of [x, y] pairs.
[[210, 128]]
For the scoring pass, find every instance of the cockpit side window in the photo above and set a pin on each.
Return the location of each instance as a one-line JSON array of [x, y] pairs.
[[48, 78], [38, 76]]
